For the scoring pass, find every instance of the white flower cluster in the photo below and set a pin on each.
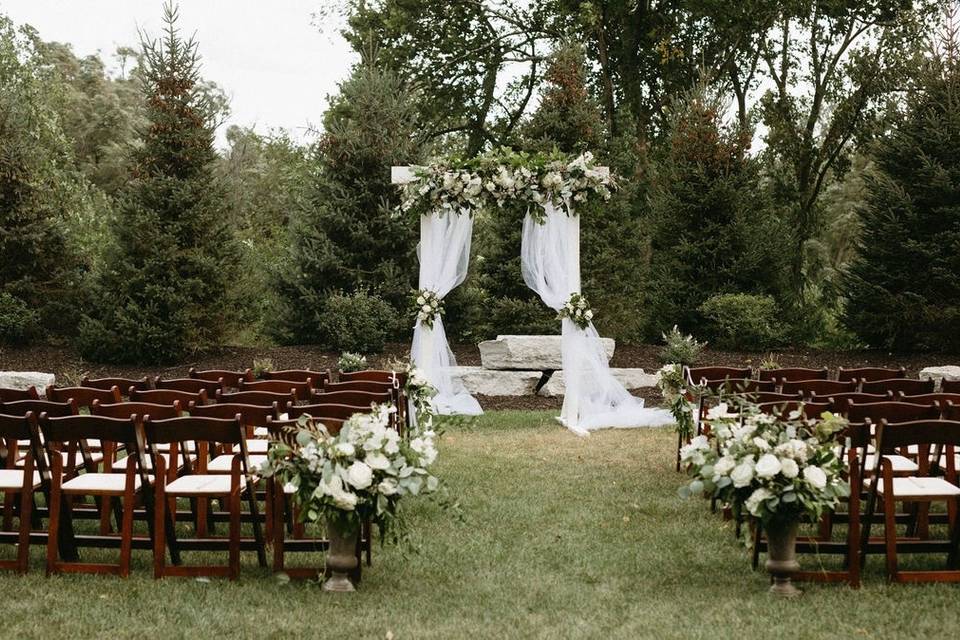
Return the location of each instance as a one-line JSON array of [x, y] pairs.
[[366, 467], [768, 464], [673, 386], [428, 305], [348, 362], [578, 310], [505, 176]]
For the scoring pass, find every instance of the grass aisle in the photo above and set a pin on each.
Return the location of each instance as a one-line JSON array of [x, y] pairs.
[[565, 538]]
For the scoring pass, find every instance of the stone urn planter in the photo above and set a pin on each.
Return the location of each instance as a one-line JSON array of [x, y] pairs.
[[782, 556], [341, 555]]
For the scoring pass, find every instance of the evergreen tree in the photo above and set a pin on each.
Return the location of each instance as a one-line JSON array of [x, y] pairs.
[[903, 291], [41, 190], [347, 238], [161, 293], [713, 230]]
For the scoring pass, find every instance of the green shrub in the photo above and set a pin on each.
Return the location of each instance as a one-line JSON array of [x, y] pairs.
[[742, 321], [18, 322], [511, 316], [360, 322], [680, 349]]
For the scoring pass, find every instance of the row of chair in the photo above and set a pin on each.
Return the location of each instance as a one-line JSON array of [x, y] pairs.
[[180, 450]]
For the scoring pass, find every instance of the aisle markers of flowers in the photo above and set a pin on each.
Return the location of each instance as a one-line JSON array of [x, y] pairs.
[[780, 469], [357, 475]]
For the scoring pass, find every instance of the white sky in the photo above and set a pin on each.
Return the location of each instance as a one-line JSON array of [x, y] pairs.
[[277, 68]]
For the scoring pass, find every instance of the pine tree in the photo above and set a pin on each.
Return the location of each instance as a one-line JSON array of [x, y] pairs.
[[903, 290], [713, 229], [347, 238], [161, 294]]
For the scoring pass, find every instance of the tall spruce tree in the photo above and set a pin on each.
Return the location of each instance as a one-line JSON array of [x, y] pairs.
[[161, 293], [347, 239], [713, 229], [903, 290]]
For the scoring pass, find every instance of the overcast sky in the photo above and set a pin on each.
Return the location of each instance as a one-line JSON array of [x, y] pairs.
[[276, 66]]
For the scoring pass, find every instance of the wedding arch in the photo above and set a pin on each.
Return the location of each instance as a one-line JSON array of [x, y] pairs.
[[444, 196]]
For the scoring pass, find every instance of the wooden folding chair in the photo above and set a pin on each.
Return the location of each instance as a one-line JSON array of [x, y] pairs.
[[950, 386], [239, 482], [842, 401], [809, 410], [822, 388], [190, 385], [257, 398], [13, 395], [22, 482], [352, 398], [169, 396], [907, 386], [129, 486], [793, 373], [923, 488], [83, 396], [318, 378], [124, 384], [231, 379], [398, 379], [930, 398]]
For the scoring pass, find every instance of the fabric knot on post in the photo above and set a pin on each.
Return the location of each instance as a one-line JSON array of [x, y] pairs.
[[578, 310], [428, 305]]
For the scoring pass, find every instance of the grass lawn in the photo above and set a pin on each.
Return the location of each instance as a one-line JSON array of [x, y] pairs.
[[565, 538]]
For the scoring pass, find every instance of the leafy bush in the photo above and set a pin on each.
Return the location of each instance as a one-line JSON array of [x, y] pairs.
[[742, 321], [18, 322], [511, 316], [680, 349], [359, 322]]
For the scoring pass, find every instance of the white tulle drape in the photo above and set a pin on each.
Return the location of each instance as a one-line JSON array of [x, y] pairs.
[[594, 399], [444, 253]]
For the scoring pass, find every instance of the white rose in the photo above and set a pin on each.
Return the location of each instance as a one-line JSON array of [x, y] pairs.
[[789, 468], [344, 449], [588, 315], [761, 444], [360, 475], [425, 308], [742, 474], [388, 486], [377, 461], [815, 476], [767, 466], [756, 499], [724, 466], [420, 300]]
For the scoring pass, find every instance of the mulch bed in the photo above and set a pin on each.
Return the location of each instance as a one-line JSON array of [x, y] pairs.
[[69, 367]]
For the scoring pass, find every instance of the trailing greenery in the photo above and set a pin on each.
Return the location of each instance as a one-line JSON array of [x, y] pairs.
[[903, 291], [161, 294]]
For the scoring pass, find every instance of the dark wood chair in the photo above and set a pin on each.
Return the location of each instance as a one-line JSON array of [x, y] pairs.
[[907, 386], [928, 398], [190, 385], [13, 395], [231, 379], [892, 413], [169, 396], [811, 410], [302, 390], [763, 397], [352, 398], [950, 386], [22, 482], [257, 398], [232, 487], [869, 374], [695, 374], [128, 487], [360, 385], [375, 375], [822, 388], [922, 488], [842, 401], [324, 411], [793, 373], [319, 378], [83, 396], [125, 410], [123, 384]]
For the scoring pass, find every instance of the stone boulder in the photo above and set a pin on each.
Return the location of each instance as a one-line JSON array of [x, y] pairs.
[[539, 353], [629, 378], [480, 381], [948, 372], [26, 379]]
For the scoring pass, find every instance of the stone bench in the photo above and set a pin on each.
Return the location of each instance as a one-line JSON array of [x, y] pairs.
[[528, 353]]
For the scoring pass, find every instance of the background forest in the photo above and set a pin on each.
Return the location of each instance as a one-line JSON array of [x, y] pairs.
[[789, 175]]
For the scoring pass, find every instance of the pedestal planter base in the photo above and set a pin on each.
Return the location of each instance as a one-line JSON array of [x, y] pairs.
[[341, 558], [782, 558]]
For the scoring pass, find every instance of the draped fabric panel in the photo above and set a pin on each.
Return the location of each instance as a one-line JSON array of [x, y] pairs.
[[594, 399], [444, 253]]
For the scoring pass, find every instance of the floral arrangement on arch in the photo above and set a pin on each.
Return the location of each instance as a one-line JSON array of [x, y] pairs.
[[454, 186], [428, 306], [673, 385], [578, 310], [359, 473], [775, 467]]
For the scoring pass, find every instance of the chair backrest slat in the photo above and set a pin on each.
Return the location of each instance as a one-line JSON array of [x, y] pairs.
[[84, 396], [169, 396], [251, 415], [892, 412], [949, 386], [123, 384], [127, 409], [921, 432], [256, 398], [336, 411], [301, 389], [70, 428], [287, 430], [15, 427], [319, 378], [906, 385], [353, 398], [784, 409], [869, 374], [190, 385], [372, 386], [14, 395], [375, 375], [842, 401], [696, 374], [818, 387], [737, 385], [794, 373], [52, 409], [193, 428], [230, 378], [763, 397]]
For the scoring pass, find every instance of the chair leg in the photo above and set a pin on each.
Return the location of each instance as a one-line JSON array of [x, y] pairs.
[[257, 530], [159, 528], [757, 539], [890, 533], [126, 532], [279, 508], [53, 533], [23, 543], [235, 533]]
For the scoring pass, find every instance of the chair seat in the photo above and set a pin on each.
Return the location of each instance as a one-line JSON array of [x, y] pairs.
[[94, 483], [900, 464], [121, 464], [12, 479], [203, 484], [922, 488], [224, 464], [254, 446]]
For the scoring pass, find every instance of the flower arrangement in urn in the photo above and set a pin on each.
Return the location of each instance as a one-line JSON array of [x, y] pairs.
[[779, 468], [578, 310], [356, 475]]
